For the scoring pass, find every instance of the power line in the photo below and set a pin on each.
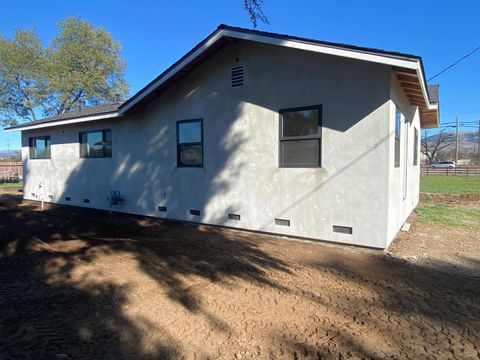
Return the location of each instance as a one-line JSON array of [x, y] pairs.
[[455, 63]]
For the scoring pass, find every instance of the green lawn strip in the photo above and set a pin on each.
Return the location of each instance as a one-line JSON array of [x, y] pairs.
[[450, 184], [449, 215], [11, 185]]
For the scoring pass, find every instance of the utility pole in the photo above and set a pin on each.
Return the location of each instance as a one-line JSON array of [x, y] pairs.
[[478, 144], [456, 145]]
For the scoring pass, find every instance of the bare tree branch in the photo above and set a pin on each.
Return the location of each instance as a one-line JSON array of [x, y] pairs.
[[255, 12]]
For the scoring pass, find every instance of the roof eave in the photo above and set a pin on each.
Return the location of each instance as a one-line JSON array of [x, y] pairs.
[[41, 125]]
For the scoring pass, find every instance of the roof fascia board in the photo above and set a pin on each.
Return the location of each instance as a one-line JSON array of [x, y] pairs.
[[325, 49], [63, 122]]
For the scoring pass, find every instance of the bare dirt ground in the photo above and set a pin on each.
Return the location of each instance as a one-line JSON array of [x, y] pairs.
[[75, 284]]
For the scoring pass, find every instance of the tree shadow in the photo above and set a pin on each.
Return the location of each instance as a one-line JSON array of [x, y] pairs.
[[48, 309]]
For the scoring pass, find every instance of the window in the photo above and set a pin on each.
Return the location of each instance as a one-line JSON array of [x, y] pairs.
[[190, 143], [398, 124], [96, 144], [300, 137], [415, 148], [40, 147]]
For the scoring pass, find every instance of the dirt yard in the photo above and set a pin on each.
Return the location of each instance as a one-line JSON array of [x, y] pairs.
[[75, 284]]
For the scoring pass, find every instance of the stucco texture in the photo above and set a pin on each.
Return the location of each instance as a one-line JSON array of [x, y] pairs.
[[356, 186]]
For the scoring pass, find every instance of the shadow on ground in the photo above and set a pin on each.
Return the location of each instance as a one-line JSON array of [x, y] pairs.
[[46, 313], [303, 300]]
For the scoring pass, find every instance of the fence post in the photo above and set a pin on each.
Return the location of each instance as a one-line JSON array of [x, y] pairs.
[[467, 170], [447, 171]]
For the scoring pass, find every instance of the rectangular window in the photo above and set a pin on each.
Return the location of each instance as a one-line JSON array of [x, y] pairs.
[[415, 148], [40, 147], [96, 144], [190, 143], [398, 124], [301, 137]]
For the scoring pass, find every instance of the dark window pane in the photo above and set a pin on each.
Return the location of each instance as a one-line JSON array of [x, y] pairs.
[[190, 132], [108, 143], [398, 118], [190, 155], [301, 152], [47, 146], [39, 145], [300, 123], [96, 143], [415, 148]]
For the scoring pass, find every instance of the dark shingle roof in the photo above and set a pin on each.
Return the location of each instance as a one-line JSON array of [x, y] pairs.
[[433, 93], [101, 109]]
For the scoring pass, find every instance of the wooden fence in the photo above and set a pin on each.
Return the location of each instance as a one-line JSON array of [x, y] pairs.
[[10, 171], [461, 171]]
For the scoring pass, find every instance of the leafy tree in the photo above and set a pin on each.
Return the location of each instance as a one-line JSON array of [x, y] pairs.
[[80, 67], [23, 81]]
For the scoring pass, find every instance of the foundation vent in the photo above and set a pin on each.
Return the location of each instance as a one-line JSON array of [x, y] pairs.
[[195, 212], [86, 201], [237, 76], [68, 198], [233, 217], [343, 229], [162, 208], [282, 222]]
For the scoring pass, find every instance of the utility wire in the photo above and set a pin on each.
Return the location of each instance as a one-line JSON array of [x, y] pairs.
[[455, 63]]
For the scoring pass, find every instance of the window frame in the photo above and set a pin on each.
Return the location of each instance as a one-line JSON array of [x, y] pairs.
[[415, 147], [103, 131], [397, 139], [48, 154], [318, 136], [201, 143]]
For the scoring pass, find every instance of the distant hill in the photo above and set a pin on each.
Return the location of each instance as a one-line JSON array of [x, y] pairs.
[[468, 141], [10, 154]]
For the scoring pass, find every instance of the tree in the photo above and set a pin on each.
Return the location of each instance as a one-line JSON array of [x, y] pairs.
[[80, 67], [431, 146], [255, 12]]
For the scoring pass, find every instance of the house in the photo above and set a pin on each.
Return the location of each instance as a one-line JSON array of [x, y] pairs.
[[251, 130]]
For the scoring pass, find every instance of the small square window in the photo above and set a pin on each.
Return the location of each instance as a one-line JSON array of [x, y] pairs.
[[190, 143], [96, 144], [301, 137], [40, 147]]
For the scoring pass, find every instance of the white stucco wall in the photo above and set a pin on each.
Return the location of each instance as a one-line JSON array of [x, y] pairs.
[[399, 207], [241, 131]]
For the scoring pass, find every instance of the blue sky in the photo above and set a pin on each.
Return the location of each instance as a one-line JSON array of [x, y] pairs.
[[154, 34]]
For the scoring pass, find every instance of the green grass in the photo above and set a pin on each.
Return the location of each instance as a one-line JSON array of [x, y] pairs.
[[450, 184], [11, 185], [449, 215]]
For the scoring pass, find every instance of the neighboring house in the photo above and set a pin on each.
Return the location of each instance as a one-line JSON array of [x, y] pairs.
[[251, 130]]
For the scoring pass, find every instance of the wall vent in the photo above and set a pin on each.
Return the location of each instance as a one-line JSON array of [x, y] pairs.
[[68, 198], [86, 201], [282, 222], [162, 208], [233, 217], [50, 196], [237, 76], [195, 212], [343, 229]]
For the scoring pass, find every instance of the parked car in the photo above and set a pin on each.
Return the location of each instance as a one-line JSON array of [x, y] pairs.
[[444, 164]]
